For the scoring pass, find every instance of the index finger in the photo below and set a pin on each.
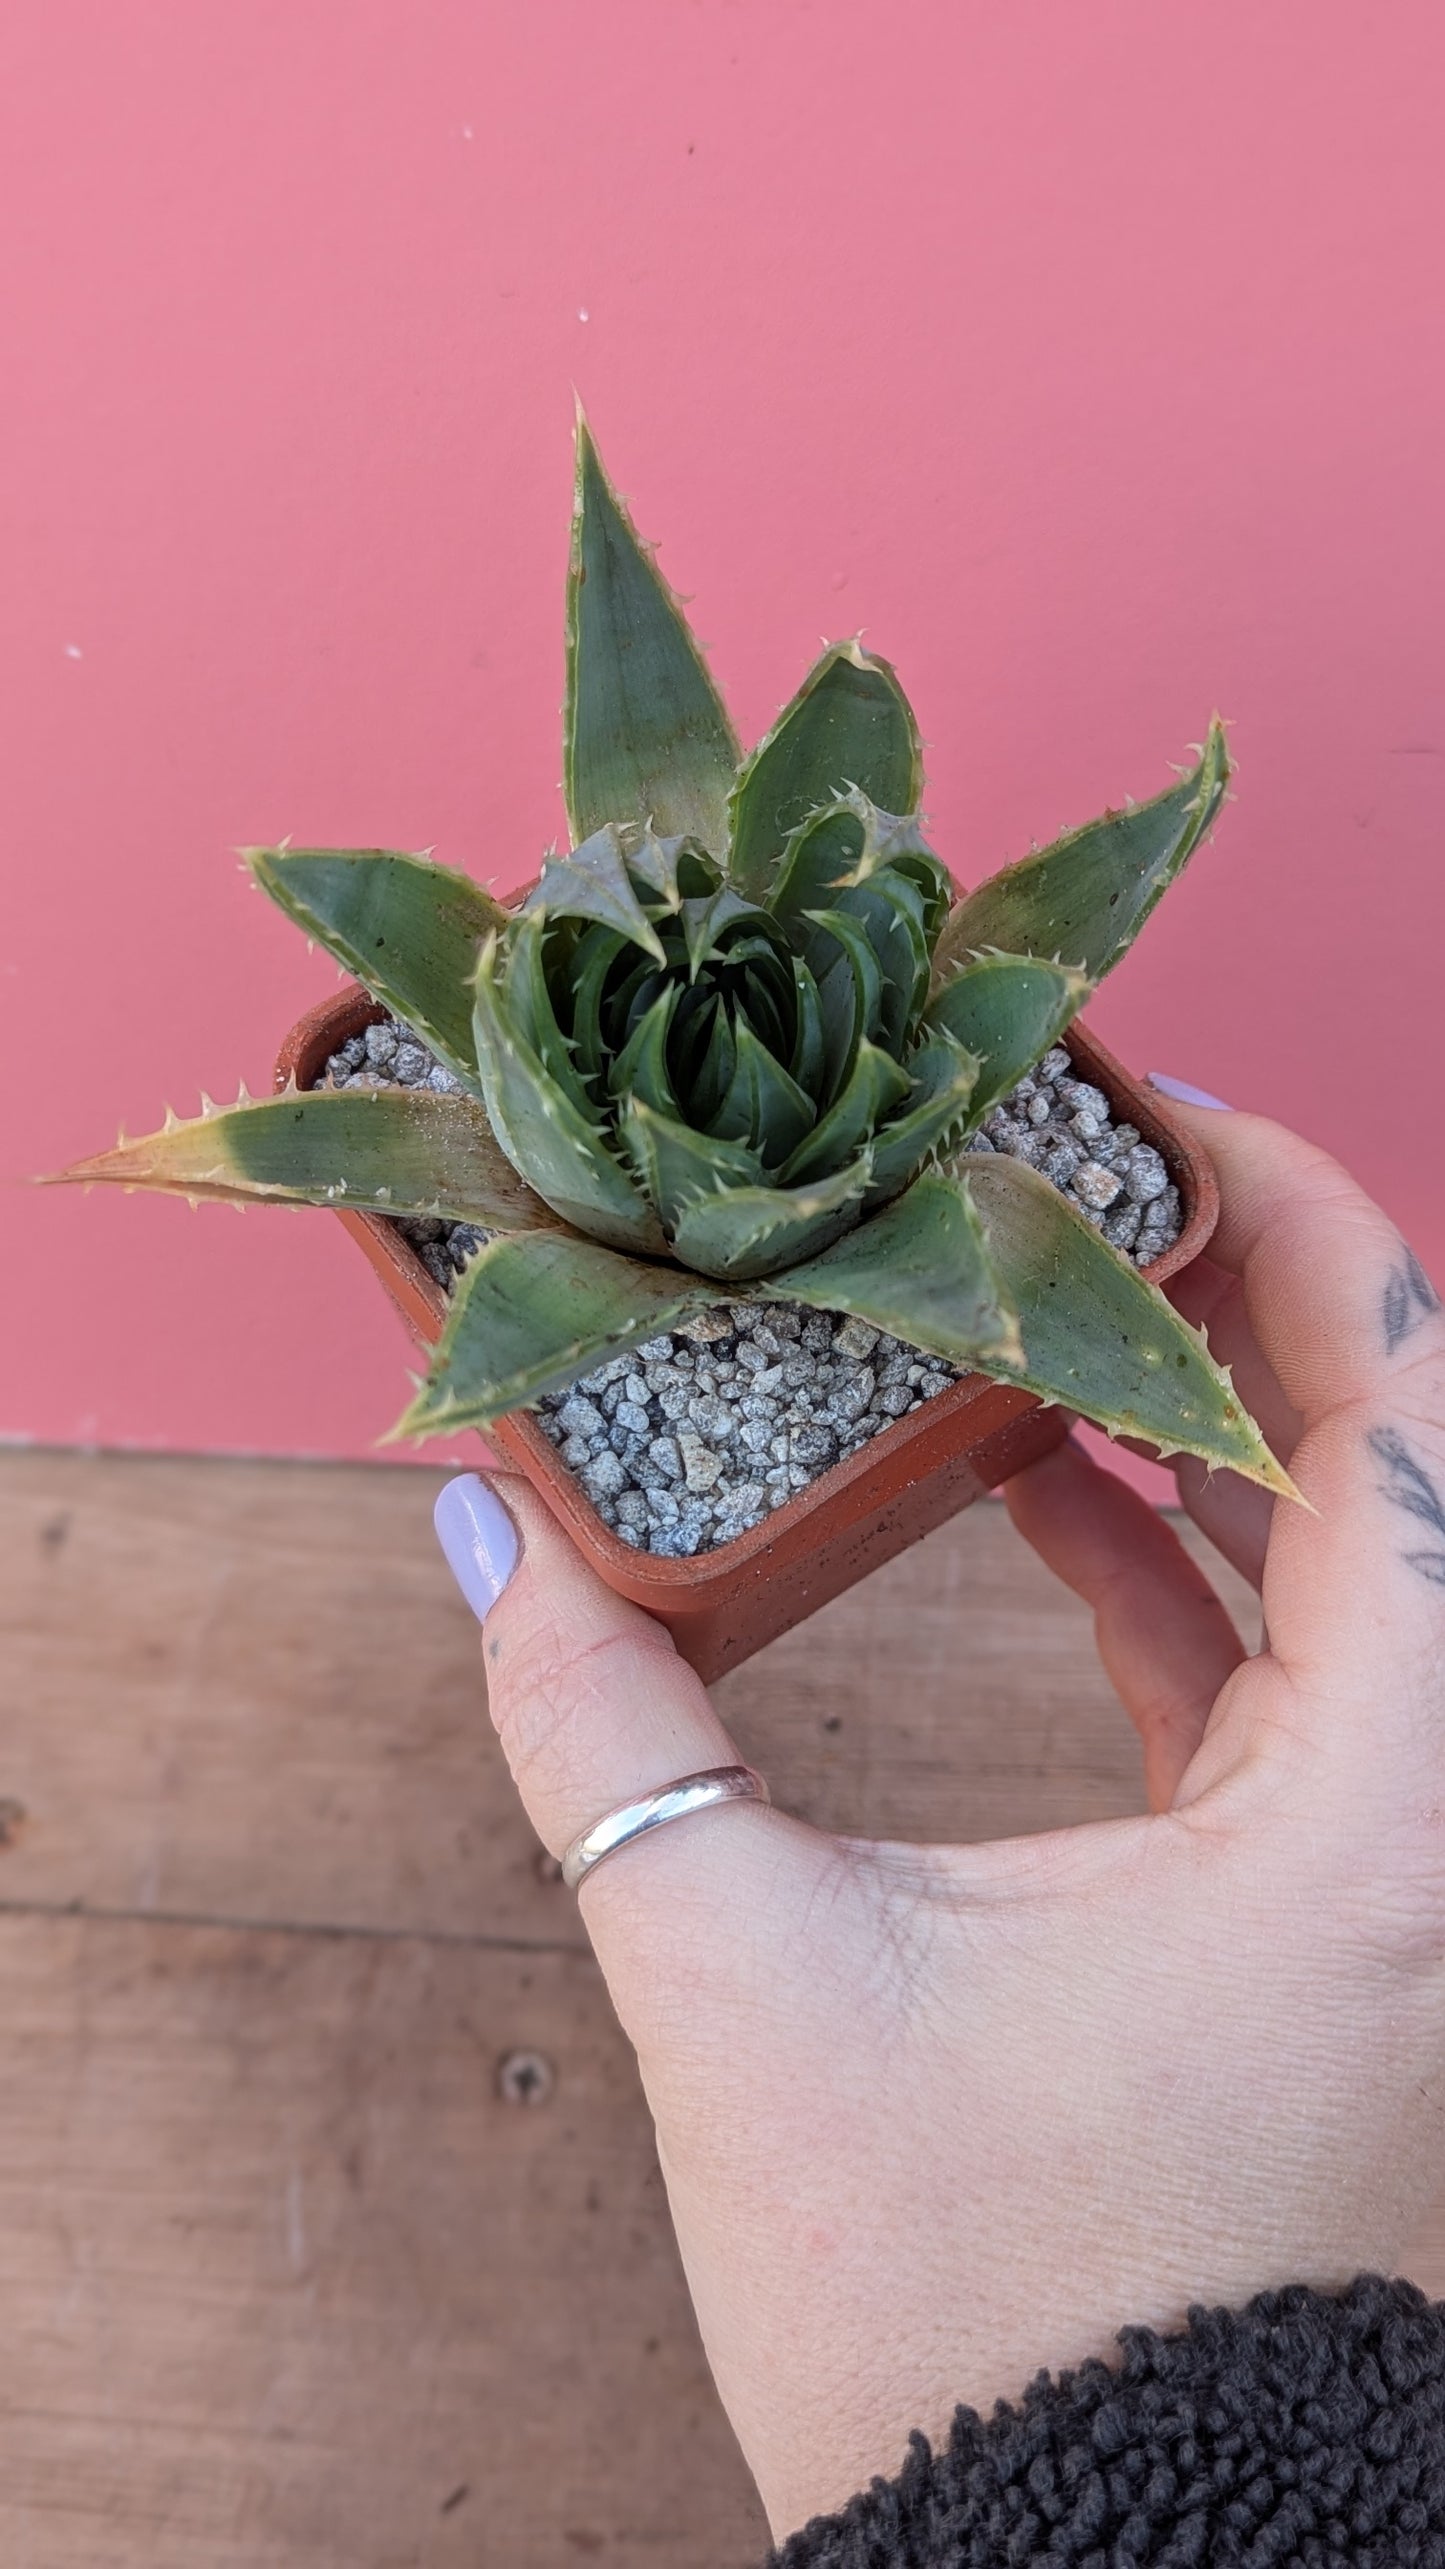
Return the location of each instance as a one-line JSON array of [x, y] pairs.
[[1335, 1295]]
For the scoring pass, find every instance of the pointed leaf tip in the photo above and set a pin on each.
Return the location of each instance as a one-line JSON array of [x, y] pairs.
[[1100, 1338], [529, 1315], [646, 738], [409, 1151], [849, 728], [407, 928], [1086, 897]]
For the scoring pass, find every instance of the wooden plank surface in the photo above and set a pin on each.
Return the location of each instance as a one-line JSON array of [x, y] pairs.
[[331, 2234]]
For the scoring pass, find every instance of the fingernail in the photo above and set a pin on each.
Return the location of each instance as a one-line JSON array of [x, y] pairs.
[[479, 1539], [1185, 1091]]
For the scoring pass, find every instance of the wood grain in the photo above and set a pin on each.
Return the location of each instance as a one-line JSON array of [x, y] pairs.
[[291, 2280], [288, 2280]]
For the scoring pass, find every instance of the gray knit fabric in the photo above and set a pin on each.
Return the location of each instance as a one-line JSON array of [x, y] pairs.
[[1304, 2432]]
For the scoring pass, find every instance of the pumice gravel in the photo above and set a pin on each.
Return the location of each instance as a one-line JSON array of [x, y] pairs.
[[690, 1440]]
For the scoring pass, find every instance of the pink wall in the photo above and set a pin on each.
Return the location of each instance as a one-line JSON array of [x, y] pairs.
[[1087, 356]]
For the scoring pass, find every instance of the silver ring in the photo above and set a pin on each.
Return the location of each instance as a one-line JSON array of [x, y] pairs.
[[653, 1810]]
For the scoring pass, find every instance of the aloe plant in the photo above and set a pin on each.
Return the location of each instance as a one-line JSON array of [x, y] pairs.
[[732, 1044]]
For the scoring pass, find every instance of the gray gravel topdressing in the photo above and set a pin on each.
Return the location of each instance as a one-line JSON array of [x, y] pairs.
[[691, 1439]]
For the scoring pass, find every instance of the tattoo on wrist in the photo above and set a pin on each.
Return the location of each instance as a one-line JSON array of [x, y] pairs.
[[1408, 1486], [1410, 1299]]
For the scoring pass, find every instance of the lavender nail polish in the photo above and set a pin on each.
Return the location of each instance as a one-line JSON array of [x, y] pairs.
[[479, 1540], [1185, 1092]]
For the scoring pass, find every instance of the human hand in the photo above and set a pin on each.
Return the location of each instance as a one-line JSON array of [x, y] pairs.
[[934, 2117]]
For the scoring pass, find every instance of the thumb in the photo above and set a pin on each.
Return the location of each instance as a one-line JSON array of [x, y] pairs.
[[591, 1702]]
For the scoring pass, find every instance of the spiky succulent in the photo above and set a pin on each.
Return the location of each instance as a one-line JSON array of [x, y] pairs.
[[732, 1044]]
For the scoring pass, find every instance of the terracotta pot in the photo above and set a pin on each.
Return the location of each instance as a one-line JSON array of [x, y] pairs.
[[723, 1605]]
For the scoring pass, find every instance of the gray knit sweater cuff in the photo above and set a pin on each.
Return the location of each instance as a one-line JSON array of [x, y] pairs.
[[1305, 2432]]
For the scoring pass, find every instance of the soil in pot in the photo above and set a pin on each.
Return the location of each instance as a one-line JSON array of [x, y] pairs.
[[686, 1442]]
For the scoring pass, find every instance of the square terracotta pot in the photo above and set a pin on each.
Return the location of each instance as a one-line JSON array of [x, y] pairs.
[[723, 1605]]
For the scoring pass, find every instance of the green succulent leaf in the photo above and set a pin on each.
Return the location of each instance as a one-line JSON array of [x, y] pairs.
[[593, 957], [742, 1233], [942, 1078], [707, 1047], [530, 1008], [1102, 1340], [380, 1150], [741, 1236], [851, 862], [409, 929], [893, 842], [763, 1107], [640, 1069], [594, 883], [850, 991], [1008, 1009], [1084, 900], [646, 738], [676, 1164], [920, 1269], [876, 1084], [549, 1141], [721, 1213], [674, 870], [706, 925], [808, 1056], [821, 855], [530, 1314], [849, 724], [891, 910]]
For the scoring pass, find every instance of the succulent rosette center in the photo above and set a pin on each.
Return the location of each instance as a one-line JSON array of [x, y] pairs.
[[759, 1071]]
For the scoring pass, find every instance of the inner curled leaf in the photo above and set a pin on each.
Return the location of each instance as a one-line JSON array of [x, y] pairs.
[[637, 975]]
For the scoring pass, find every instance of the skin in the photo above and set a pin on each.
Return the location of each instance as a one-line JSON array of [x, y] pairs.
[[933, 2118]]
